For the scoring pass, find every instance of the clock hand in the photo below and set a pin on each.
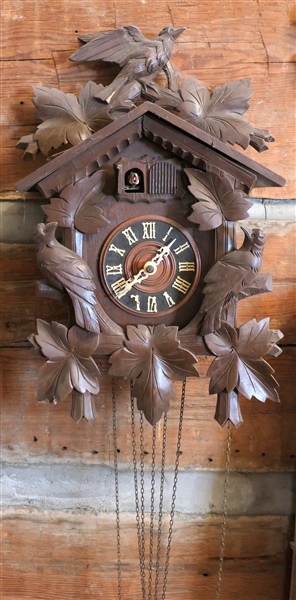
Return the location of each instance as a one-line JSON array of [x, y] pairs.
[[150, 267], [161, 253], [129, 283]]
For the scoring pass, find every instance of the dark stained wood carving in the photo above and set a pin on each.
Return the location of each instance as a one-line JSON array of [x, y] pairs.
[[239, 364], [148, 197], [69, 366], [232, 277], [138, 56], [67, 119], [218, 199], [148, 179], [65, 270], [78, 205], [218, 113], [152, 358]]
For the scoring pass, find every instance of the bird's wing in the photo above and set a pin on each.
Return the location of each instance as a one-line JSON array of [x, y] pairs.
[[75, 275], [116, 46], [226, 278]]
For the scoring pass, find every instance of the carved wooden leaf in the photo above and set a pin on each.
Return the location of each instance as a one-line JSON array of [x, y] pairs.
[[152, 358], [67, 119], [239, 364], [220, 113], [218, 199], [70, 365], [79, 205]]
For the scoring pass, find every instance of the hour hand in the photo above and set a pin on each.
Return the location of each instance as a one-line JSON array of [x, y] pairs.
[[129, 283]]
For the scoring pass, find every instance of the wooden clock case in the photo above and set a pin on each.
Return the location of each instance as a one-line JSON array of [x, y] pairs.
[[89, 195]]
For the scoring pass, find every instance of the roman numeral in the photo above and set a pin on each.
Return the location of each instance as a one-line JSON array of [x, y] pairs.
[[117, 285], [130, 236], [181, 248], [169, 299], [116, 270], [167, 234], [148, 230], [113, 248], [186, 266], [136, 298], [181, 285], [151, 304]]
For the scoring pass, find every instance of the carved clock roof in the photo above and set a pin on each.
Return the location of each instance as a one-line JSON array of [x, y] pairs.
[[158, 125]]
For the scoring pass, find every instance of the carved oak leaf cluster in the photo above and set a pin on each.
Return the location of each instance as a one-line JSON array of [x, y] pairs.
[[78, 204], [69, 366], [67, 119], [218, 199], [152, 357], [239, 364], [220, 113]]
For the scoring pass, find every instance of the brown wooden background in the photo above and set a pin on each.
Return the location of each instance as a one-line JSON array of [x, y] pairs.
[[71, 554]]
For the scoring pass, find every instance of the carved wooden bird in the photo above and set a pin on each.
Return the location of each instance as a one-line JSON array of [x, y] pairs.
[[66, 270], [228, 279], [127, 47]]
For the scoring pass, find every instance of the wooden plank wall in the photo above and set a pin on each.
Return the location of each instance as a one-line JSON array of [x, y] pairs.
[[71, 554]]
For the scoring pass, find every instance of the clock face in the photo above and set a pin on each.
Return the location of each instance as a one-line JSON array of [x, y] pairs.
[[149, 266]]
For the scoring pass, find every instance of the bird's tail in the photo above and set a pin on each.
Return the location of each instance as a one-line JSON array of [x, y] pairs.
[[209, 321], [107, 94], [86, 315]]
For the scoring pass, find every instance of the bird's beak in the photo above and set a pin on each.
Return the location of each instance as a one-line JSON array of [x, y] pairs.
[[246, 232], [178, 32], [51, 226], [39, 229]]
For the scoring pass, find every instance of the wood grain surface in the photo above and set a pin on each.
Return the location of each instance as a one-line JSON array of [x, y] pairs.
[[69, 556]]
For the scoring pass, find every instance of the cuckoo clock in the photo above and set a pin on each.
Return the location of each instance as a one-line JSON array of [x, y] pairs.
[[149, 265]]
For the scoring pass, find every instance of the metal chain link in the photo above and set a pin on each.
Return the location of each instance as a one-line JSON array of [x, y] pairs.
[[142, 495], [152, 511], [161, 490], [137, 505], [172, 513], [116, 490], [224, 521]]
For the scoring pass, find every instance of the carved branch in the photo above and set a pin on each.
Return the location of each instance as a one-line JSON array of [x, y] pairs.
[[83, 406], [228, 409]]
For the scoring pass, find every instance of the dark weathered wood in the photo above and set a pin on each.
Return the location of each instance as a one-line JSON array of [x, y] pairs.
[[74, 555]]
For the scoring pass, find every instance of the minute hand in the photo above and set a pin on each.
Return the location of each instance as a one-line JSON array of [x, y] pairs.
[[162, 252]]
